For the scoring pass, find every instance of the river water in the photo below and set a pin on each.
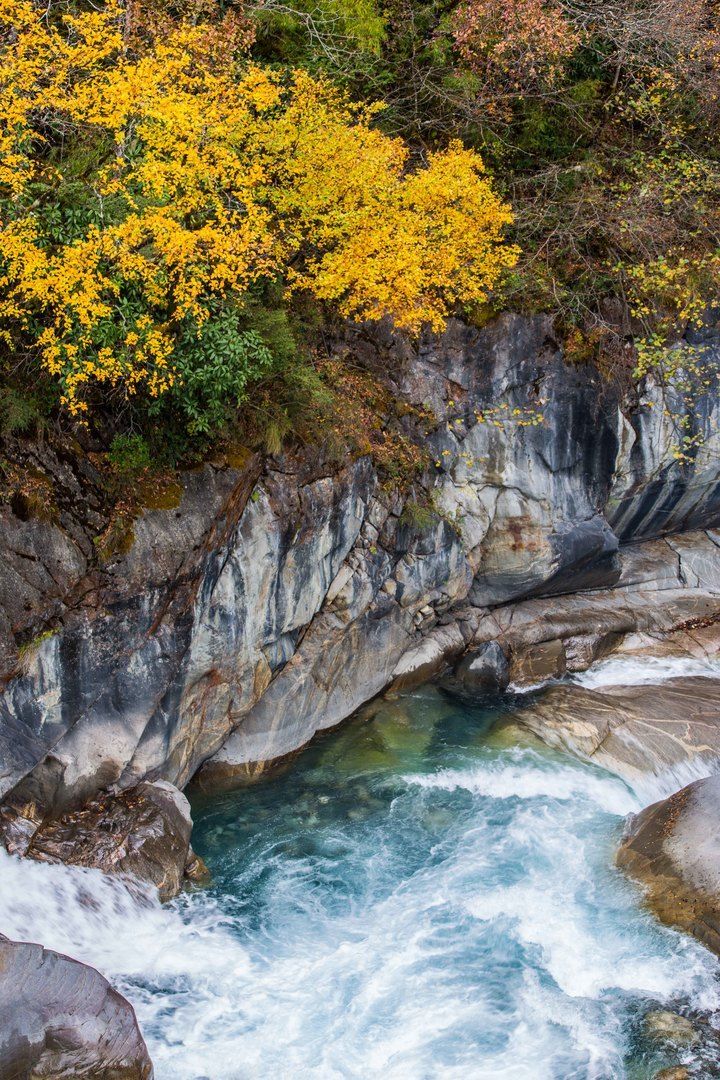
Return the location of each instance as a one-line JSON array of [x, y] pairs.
[[423, 893]]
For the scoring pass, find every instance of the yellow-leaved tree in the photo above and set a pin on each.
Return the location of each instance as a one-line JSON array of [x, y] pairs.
[[141, 194]]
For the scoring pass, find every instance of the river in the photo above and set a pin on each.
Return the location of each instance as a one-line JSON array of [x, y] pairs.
[[423, 893]]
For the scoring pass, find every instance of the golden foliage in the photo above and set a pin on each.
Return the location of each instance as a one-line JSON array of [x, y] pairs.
[[217, 174]]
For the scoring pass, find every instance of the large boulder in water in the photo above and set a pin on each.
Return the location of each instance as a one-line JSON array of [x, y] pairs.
[[673, 849], [480, 673], [143, 832], [61, 1019]]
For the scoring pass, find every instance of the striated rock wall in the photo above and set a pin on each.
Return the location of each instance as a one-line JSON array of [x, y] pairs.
[[279, 596]]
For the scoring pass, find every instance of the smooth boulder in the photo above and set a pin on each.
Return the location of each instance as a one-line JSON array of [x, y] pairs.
[[673, 849], [62, 1019], [479, 673]]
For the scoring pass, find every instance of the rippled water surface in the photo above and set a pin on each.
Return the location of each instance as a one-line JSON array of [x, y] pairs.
[[421, 894]]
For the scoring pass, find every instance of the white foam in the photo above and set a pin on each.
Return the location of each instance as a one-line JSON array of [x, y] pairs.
[[79, 911], [651, 787], [530, 688], [502, 951], [583, 962], [644, 670], [528, 776]]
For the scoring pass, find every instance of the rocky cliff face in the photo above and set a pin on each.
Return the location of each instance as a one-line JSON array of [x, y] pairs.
[[278, 597]]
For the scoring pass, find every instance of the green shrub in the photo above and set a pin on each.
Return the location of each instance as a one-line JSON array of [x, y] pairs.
[[129, 455], [216, 364], [419, 516], [22, 410]]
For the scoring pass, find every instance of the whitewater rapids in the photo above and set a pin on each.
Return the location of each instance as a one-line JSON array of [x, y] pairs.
[[413, 900]]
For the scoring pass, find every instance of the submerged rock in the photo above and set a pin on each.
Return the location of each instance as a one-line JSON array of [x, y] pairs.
[[671, 727], [143, 833], [673, 849], [665, 1026], [61, 1019]]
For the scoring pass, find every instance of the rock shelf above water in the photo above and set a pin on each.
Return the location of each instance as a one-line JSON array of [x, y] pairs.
[[669, 728], [142, 833]]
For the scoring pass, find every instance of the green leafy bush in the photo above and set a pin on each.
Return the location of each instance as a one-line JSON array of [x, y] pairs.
[[129, 455], [19, 411], [216, 365]]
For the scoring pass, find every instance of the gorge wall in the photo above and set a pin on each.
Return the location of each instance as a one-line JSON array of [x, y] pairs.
[[281, 594]]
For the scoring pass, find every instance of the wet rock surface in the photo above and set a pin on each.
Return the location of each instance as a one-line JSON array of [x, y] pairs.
[[657, 604], [633, 730], [280, 595], [143, 833], [665, 1026], [481, 671], [673, 849], [61, 1019]]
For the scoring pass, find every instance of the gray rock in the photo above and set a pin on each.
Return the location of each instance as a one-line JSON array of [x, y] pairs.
[[431, 655], [480, 670], [673, 849], [154, 687], [484, 668], [653, 493], [665, 1026], [61, 1019], [281, 595], [536, 663], [634, 731]]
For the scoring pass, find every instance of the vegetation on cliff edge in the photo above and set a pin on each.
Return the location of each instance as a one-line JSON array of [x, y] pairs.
[[190, 190]]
